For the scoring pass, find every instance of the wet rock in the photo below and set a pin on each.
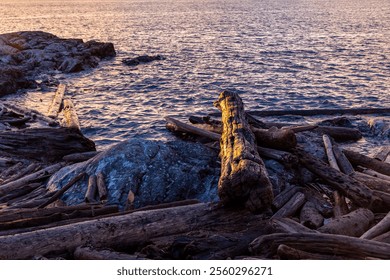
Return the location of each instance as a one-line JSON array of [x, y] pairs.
[[380, 127], [142, 59], [149, 172], [26, 55]]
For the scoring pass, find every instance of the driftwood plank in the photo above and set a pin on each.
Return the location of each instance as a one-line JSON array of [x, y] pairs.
[[244, 178], [371, 163], [56, 103], [339, 245]]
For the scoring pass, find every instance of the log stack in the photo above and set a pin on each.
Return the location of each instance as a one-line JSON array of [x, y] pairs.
[[327, 208]]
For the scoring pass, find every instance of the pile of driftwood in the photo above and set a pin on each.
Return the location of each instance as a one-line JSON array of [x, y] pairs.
[[340, 211]]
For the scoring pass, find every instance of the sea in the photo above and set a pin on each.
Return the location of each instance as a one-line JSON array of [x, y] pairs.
[[277, 54]]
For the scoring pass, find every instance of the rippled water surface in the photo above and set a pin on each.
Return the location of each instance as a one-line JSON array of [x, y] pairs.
[[277, 54]]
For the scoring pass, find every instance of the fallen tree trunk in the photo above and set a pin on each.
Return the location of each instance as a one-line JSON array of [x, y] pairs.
[[372, 182], [380, 228], [340, 133], [291, 207], [371, 163], [244, 178], [122, 230], [338, 245], [47, 144], [351, 224], [349, 187], [288, 253], [310, 216], [43, 173], [178, 126], [89, 253], [71, 120], [276, 138], [56, 103]]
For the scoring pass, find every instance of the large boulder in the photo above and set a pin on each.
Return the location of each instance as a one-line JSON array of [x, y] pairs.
[[25, 55], [152, 172]]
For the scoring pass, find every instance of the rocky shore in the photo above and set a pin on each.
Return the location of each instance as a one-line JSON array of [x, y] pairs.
[[232, 186], [28, 56]]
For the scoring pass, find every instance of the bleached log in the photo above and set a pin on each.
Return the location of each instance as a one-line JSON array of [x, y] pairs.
[[56, 103], [310, 216], [178, 126], [352, 224], [338, 245], [43, 173], [122, 230], [380, 228], [71, 120], [291, 207], [90, 195], [89, 253], [342, 161], [244, 178], [101, 186], [360, 194], [368, 162]]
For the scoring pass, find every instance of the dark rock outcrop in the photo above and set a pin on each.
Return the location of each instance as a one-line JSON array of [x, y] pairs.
[[155, 172], [142, 59], [25, 55]]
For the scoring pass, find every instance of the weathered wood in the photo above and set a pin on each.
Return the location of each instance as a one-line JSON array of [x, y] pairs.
[[283, 139], [288, 253], [90, 195], [48, 144], [385, 238], [380, 228], [338, 245], [340, 133], [80, 157], [374, 174], [43, 173], [101, 186], [360, 194], [71, 120], [89, 253], [324, 207], [302, 128], [178, 126], [244, 178], [342, 161], [340, 205], [310, 216], [383, 153], [291, 207], [368, 162], [123, 230], [281, 156], [23, 172], [372, 182], [34, 114], [288, 225], [283, 197], [20, 192], [57, 216], [4, 162], [352, 224], [56, 103], [11, 170], [59, 193]]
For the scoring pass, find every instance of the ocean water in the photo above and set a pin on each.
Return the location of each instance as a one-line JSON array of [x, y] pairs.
[[277, 54]]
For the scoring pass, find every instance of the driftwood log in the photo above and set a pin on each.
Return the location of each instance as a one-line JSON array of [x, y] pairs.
[[352, 224], [124, 230], [380, 228], [244, 178], [56, 103], [310, 216], [368, 162], [71, 120], [44, 143], [337, 245]]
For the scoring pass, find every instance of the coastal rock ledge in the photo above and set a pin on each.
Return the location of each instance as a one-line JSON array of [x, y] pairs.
[[25, 55]]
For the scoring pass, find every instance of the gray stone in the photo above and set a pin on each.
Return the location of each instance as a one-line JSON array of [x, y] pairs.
[[26, 55], [154, 171]]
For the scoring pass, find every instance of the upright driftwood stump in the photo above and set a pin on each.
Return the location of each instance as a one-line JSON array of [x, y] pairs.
[[244, 178]]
